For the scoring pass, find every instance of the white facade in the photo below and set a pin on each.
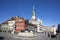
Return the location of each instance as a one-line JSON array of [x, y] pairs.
[[39, 27], [35, 21], [33, 14], [11, 24], [54, 30], [39, 21]]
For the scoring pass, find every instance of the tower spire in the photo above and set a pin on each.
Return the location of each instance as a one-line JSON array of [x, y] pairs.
[[33, 7], [33, 13]]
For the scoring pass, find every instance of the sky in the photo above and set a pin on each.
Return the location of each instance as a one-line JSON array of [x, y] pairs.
[[47, 10]]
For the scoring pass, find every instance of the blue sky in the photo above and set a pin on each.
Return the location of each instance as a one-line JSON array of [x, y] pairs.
[[47, 10]]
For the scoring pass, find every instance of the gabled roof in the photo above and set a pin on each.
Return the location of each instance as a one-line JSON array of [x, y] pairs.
[[12, 18], [6, 22]]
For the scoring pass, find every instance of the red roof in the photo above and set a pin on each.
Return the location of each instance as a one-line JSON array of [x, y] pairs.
[[12, 18]]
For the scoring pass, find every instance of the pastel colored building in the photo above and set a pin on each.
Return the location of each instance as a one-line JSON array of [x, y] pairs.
[[11, 24], [4, 26], [20, 24]]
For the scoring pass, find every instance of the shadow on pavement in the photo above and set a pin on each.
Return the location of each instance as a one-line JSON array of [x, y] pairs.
[[1, 38], [53, 36]]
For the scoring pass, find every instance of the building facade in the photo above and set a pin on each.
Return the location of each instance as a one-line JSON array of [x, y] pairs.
[[11, 24], [20, 24], [4, 26], [37, 22]]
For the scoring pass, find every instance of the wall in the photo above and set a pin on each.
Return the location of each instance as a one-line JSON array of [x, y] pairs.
[[20, 24]]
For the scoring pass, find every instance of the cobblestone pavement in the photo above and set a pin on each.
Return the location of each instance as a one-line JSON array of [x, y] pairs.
[[40, 36]]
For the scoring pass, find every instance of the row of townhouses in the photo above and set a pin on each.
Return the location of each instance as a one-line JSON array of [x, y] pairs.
[[19, 24], [14, 24]]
